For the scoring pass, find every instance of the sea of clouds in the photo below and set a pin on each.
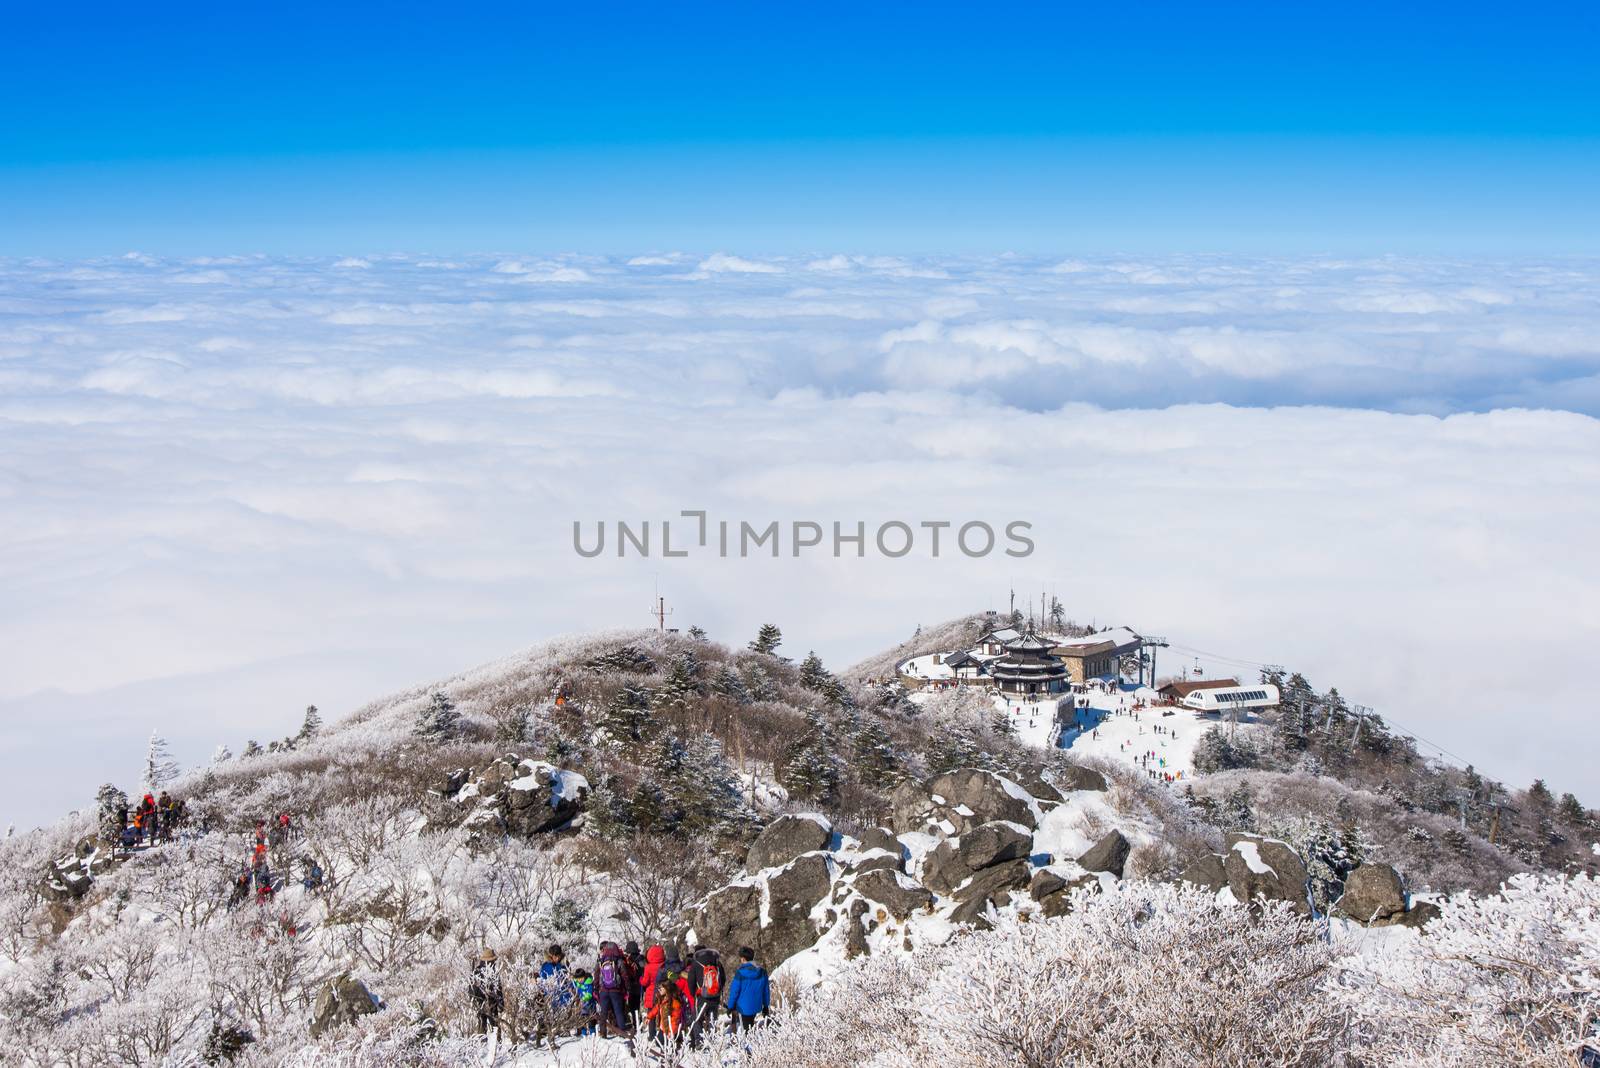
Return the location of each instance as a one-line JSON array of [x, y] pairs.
[[233, 486]]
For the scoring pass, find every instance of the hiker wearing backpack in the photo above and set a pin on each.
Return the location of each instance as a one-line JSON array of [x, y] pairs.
[[613, 978], [653, 963], [749, 992], [483, 986], [671, 1003], [583, 983], [706, 980], [636, 961]]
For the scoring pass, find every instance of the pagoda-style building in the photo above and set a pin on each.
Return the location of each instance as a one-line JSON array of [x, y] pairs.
[[1028, 667]]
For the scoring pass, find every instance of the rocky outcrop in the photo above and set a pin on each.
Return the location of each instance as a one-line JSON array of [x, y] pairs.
[[788, 837], [1206, 871], [1373, 895], [1419, 914], [342, 1001], [1077, 777], [992, 843], [517, 796], [1109, 854], [963, 845], [770, 912], [952, 803], [881, 838], [895, 892], [1265, 869]]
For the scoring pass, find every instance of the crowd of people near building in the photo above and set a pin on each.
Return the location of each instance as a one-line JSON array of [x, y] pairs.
[[671, 1000]]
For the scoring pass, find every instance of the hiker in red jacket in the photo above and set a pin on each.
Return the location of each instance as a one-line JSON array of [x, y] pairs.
[[653, 960]]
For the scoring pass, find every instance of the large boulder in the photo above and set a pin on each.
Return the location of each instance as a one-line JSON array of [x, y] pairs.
[[1267, 869], [788, 837], [895, 892], [1206, 871], [1373, 895], [734, 916], [881, 838], [943, 869], [877, 860], [1058, 902], [952, 803], [1077, 777], [1044, 883], [1110, 854], [991, 883], [341, 1001], [542, 798], [993, 843], [1419, 914], [985, 795]]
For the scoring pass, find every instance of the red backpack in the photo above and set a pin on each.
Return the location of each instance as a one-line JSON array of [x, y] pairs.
[[710, 980]]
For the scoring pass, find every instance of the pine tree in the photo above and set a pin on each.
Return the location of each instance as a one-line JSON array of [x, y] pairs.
[[697, 634], [728, 683], [626, 718], [606, 813], [110, 804], [512, 729], [759, 685], [875, 759], [438, 718], [812, 673], [767, 640], [1539, 794], [252, 748], [159, 767], [1572, 811], [1238, 810], [311, 726], [221, 755], [809, 769], [683, 685], [1058, 615]]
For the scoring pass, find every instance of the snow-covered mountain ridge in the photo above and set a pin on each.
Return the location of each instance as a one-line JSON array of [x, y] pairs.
[[890, 861]]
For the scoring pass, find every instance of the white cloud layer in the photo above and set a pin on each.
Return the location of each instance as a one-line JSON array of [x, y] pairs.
[[231, 488]]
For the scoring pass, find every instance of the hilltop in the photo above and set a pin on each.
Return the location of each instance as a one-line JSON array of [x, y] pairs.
[[663, 787]]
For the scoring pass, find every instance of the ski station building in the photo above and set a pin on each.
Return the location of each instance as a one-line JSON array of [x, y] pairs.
[[1235, 698], [1023, 663]]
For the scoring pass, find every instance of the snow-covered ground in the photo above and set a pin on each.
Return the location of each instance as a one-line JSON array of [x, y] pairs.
[[1121, 725]]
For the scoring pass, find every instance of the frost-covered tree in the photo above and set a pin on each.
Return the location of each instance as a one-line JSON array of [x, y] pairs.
[[1572, 812], [727, 682], [767, 639], [159, 767], [110, 805], [311, 725], [252, 748], [759, 685], [627, 717], [221, 755], [683, 685], [810, 768], [812, 673], [439, 718], [1505, 979], [697, 634]]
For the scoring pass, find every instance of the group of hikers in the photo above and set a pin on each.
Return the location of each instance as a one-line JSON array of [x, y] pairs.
[[674, 1001], [257, 874], [153, 820]]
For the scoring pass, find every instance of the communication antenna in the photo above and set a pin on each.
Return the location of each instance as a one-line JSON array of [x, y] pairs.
[[660, 611]]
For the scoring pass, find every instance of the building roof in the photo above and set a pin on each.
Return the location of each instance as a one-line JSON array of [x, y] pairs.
[[1115, 640], [1029, 642], [962, 659], [1004, 636], [1184, 689]]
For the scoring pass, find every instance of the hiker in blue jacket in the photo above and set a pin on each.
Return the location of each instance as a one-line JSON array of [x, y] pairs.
[[749, 992]]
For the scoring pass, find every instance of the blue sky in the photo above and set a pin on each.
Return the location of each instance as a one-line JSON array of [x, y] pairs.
[[210, 128]]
